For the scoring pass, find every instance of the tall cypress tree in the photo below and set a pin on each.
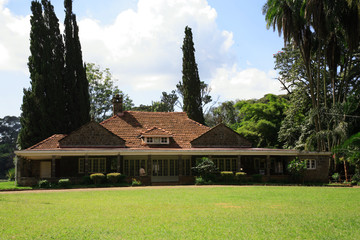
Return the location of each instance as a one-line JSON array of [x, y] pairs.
[[35, 119], [76, 84], [190, 80]]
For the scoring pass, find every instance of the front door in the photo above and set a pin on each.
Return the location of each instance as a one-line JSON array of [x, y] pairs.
[[45, 169], [164, 169]]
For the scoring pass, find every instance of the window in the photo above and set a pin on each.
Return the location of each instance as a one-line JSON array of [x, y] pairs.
[[311, 164], [225, 164], [132, 165], [157, 140], [96, 165]]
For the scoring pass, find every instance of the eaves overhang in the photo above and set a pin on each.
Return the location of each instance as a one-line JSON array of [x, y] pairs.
[[48, 154]]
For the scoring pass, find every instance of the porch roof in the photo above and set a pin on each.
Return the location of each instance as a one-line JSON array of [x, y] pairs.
[[57, 153]]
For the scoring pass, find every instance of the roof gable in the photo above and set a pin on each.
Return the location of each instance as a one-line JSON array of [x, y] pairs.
[[220, 136], [132, 124], [92, 134]]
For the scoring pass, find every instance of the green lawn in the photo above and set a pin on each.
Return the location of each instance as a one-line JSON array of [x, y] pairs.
[[10, 185], [184, 213]]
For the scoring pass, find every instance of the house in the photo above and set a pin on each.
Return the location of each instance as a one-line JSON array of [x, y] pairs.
[[165, 144]]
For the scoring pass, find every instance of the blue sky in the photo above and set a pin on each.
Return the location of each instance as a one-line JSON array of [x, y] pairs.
[[140, 41]]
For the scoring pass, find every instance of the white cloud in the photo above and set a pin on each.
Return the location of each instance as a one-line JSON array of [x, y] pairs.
[[233, 83], [142, 47], [14, 41]]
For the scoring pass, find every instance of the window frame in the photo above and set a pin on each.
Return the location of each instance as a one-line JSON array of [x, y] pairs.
[[156, 140], [311, 164], [101, 165]]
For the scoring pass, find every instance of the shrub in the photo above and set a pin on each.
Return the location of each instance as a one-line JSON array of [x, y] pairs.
[[227, 176], [201, 181], [355, 179], [97, 178], [336, 177], [206, 169], [257, 178], [64, 183], [135, 182], [297, 169], [11, 174], [240, 176], [122, 178], [44, 184], [86, 180], [113, 177]]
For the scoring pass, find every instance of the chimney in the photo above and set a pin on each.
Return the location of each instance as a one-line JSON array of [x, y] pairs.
[[117, 105]]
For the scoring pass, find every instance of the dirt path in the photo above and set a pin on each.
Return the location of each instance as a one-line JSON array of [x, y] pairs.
[[108, 189]]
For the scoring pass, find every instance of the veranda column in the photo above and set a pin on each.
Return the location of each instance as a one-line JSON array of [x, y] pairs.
[[53, 166], [268, 163], [86, 164], [118, 164], [238, 163], [181, 165], [149, 166]]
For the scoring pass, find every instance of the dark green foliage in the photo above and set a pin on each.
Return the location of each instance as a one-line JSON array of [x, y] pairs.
[[75, 82], [9, 129], [102, 90], [224, 113], [201, 181], [297, 168], [206, 169], [58, 86], [350, 151], [64, 183], [192, 102], [260, 120], [44, 184], [11, 174], [97, 178], [166, 104], [240, 177], [336, 177], [227, 176], [135, 182], [113, 177], [86, 180], [257, 178]]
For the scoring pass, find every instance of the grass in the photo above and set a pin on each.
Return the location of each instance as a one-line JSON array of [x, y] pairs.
[[183, 213], [11, 185]]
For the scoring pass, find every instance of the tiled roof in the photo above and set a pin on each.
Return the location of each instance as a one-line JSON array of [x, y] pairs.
[[156, 132], [49, 143], [131, 125]]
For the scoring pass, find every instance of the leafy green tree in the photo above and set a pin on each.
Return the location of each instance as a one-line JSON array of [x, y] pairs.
[[169, 100], [9, 130], [260, 120], [191, 90], [102, 90], [224, 113], [320, 59], [350, 151], [76, 84]]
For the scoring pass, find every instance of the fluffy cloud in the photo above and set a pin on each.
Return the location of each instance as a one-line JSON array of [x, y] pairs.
[[142, 47], [14, 43], [233, 83]]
